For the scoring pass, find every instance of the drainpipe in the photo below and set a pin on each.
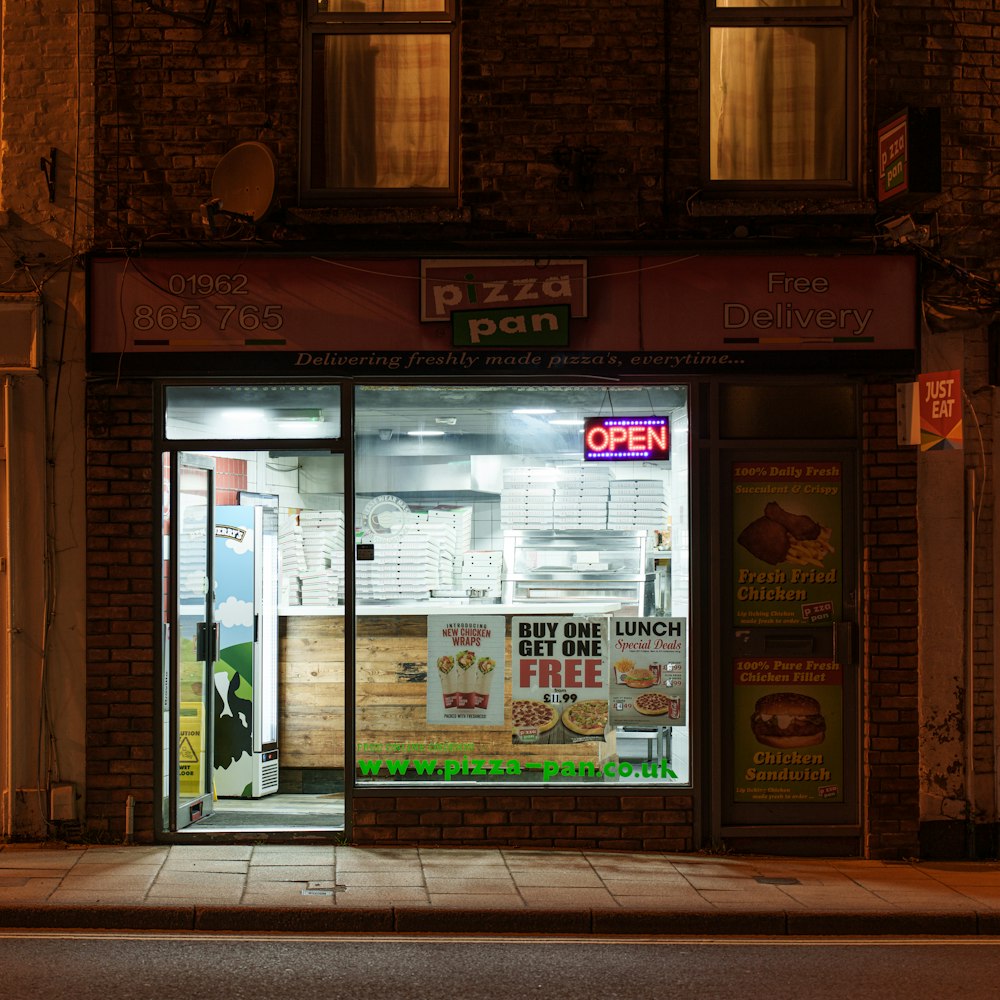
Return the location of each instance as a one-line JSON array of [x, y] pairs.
[[7, 639], [970, 701]]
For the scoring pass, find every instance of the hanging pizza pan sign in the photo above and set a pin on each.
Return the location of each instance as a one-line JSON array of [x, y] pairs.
[[559, 682]]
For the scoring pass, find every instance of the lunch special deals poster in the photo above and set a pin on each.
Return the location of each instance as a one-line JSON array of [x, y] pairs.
[[465, 670], [647, 674], [787, 539], [788, 739], [559, 685]]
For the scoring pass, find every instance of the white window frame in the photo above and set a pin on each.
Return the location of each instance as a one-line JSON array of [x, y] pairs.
[[842, 15], [319, 23]]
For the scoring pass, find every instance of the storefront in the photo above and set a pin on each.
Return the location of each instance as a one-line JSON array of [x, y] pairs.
[[507, 551]]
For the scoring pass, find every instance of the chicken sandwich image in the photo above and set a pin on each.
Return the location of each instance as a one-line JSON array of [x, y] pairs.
[[788, 720]]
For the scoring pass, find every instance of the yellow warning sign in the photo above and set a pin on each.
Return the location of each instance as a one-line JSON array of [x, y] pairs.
[[186, 754], [190, 748]]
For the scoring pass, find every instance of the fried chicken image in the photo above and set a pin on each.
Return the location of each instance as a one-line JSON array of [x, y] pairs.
[[797, 525], [766, 539], [770, 537]]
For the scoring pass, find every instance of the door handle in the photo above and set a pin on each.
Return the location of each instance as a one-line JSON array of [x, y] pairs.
[[844, 644], [207, 644]]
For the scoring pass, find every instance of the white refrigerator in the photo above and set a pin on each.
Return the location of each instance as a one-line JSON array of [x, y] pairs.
[[246, 671]]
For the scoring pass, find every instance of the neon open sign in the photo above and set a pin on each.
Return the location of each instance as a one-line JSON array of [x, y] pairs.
[[626, 439]]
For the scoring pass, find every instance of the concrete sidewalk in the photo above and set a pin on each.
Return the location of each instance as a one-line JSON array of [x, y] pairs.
[[332, 888]]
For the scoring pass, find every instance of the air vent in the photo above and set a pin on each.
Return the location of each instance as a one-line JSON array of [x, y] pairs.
[[269, 777]]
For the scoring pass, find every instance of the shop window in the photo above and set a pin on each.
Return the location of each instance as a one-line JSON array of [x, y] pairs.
[[517, 612], [522, 600], [380, 100], [798, 412], [781, 99], [248, 412]]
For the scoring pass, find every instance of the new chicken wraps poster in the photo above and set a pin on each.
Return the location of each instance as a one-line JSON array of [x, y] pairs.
[[788, 739], [558, 680], [465, 670], [787, 539]]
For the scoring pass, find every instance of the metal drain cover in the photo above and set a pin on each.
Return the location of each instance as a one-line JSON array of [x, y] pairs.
[[317, 891]]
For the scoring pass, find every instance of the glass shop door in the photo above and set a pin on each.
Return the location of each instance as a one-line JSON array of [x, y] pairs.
[[195, 638], [790, 673]]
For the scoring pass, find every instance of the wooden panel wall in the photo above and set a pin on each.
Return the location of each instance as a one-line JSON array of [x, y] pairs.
[[391, 698]]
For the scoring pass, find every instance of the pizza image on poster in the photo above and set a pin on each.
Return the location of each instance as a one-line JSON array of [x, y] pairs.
[[647, 671], [653, 705], [586, 718], [558, 681], [531, 714]]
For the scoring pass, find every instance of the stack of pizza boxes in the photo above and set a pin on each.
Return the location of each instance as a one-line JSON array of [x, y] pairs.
[[581, 496], [527, 498], [482, 571], [636, 504]]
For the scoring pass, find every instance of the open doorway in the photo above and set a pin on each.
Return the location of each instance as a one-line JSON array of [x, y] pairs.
[[254, 716]]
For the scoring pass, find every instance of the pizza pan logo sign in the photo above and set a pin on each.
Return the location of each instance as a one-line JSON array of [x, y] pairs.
[[447, 286]]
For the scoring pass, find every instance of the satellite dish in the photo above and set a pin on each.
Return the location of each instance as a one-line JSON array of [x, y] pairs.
[[243, 182]]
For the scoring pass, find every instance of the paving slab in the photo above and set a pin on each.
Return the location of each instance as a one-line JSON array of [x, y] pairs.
[[339, 888]]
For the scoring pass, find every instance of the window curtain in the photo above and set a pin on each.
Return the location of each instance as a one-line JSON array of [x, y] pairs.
[[387, 116], [778, 103], [411, 111], [347, 121]]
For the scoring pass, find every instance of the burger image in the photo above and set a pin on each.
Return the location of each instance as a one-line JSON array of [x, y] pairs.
[[788, 720], [641, 677]]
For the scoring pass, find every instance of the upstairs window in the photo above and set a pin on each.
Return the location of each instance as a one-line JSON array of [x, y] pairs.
[[782, 93], [380, 100]]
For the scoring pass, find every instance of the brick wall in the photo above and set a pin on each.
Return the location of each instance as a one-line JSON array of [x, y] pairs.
[[613, 822], [122, 713], [945, 56], [537, 75], [889, 648], [173, 97], [44, 106]]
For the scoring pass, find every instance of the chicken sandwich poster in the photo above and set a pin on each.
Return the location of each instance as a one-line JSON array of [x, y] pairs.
[[787, 543], [788, 739]]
